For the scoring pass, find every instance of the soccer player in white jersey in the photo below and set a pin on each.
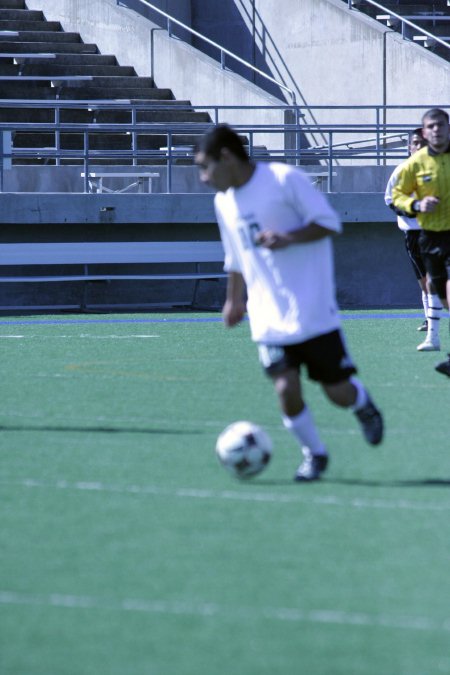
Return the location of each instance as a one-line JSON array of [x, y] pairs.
[[411, 229], [276, 230]]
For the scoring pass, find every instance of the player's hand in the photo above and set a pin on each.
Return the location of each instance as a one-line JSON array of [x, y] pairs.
[[233, 313], [273, 240], [428, 204]]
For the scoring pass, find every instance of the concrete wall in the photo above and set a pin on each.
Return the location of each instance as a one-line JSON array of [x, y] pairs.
[[22, 178], [334, 56], [372, 269]]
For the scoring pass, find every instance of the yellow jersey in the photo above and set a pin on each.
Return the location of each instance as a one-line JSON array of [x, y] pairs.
[[425, 173]]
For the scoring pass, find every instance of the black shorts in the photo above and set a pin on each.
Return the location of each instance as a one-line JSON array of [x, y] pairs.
[[325, 357], [435, 250], [412, 246]]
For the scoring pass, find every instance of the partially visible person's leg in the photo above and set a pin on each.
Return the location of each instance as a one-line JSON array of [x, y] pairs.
[[432, 342], [352, 394], [435, 248], [444, 366], [298, 420], [412, 247]]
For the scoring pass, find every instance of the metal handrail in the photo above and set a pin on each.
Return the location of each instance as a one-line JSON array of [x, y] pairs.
[[223, 51], [329, 155], [403, 21]]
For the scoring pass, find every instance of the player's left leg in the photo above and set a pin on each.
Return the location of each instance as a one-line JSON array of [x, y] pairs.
[[283, 367], [352, 394]]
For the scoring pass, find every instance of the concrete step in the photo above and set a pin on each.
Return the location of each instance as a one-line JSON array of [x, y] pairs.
[[12, 4], [440, 50], [37, 90], [114, 83], [401, 10], [45, 116], [9, 46], [161, 116], [8, 68], [120, 82], [77, 60], [89, 116], [43, 26], [101, 141], [442, 30], [431, 4], [49, 37], [12, 14], [27, 90], [83, 93], [73, 141], [101, 72]]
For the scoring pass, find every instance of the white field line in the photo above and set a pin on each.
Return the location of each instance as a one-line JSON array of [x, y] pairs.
[[82, 336], [232, 495], [211, 610]]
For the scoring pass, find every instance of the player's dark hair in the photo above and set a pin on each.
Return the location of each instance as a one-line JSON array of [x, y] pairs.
[[222, 136], [435, 112], [416, 132]]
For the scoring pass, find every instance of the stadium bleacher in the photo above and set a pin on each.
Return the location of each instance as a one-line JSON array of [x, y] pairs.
[[432, 16], [41, 61]]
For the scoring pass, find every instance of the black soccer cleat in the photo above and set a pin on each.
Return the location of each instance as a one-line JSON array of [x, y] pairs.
[[371, 422], [311, 468], [423, 327], [444, 367]]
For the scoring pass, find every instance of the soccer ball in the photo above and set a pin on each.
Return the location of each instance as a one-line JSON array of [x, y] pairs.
[[244, 449]]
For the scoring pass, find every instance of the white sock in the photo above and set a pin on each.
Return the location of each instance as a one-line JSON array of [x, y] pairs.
[[361, 394], [425, 303], [303, 428], [433, 317]]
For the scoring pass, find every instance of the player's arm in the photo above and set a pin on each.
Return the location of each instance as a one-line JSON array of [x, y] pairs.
[[302, 235], [388, 193], [402, 200], [405, 201], [316, 219], [234, 308]]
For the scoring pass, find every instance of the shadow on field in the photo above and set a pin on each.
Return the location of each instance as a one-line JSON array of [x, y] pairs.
[[421, 482], [101, 430]]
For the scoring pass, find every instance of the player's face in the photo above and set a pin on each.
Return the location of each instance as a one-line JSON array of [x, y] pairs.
[[214, 172], [416, 143], [436, 131]]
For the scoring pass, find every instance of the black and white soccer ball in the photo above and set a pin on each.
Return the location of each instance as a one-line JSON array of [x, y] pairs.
[[244, 449]]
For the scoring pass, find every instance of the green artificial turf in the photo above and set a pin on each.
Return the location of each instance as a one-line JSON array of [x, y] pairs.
[[126, 549]]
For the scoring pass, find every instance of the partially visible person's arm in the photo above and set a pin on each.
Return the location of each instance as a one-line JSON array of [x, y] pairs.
[[302, 235], [234, 308]]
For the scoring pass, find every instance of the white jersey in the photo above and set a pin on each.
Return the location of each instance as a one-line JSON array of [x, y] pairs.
[[405, 223], [290, 291]]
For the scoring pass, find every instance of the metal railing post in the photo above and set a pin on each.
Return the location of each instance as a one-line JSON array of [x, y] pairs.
[[57, 136], [169, 163], [134, 135], [330, 161], [377, 134], [86, 160]]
